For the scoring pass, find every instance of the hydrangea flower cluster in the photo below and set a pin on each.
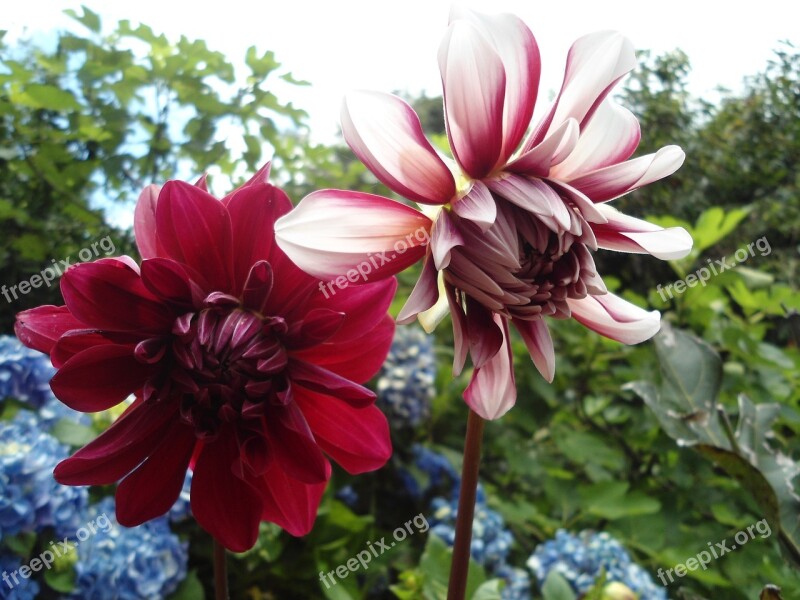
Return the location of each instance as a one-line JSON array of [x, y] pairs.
[[25, 589], [491, 541], [582, 558], [148, 561], [30, 498], [24, 373], [406, 381]]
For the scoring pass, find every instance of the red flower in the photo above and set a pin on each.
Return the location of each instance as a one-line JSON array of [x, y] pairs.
[[242, 368]]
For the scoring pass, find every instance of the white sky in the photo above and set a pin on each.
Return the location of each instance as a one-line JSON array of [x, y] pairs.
[[388, 46]]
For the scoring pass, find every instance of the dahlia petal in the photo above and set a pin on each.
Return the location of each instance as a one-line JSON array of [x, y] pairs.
[[537, 161], [224, 504], [477, 205], [364, 306], [109, 295], [615, 318], [595, 63], [460, 332], [194, 228], [318, 325], [424, 295], [430, 318], [73, 342], [99, 378], [386, 134], [296, 287], [536, 336], [120, 448], [321, 380], [444, 237], [152, 489], [289, 503], [144, 222], [259, 177], [517, 49], [485, 336], [357, 359], [171, 282], [611, 136], [292, 443], [253, 211], [533, 195], [258, 286], [40, 328], [628, 234], [615, 180], [492, 391], [356, 438], [332, 233], [474, 83]]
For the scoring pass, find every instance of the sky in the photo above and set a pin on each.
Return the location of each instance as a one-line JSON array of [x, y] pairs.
[[389, 46]]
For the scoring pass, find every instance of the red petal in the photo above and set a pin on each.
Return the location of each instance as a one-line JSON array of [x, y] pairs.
[[99, 378], [293, 444], [109, 294], [75, 341], [123, 446], [356, 438], [358, 359], [39, 328], [289, 503], [194, 228], [321, 380], [172, 282], [224, 504], [253, 210], [152, 489]]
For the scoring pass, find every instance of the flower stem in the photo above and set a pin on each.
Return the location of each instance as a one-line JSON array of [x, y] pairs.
[[220, 572], [466, 508]]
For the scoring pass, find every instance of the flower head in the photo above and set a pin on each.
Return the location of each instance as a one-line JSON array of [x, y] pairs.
[[240, 366], [511, 221]]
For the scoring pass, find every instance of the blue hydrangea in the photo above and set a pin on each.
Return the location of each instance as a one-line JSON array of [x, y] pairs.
[[24, 373], [348, 495], [30, 498], [581, 559], [148, 561], [491, 541], [518, 583], [406, 381], [182, 509], [21, 589]]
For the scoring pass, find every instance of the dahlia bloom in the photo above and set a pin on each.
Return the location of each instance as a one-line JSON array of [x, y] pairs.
[[241, 368], [510, 222]]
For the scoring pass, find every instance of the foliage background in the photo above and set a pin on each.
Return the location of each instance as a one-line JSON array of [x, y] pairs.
[[108, 110]]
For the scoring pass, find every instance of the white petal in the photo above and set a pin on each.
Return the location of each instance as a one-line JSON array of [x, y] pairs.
[[628, 234], [554, 148], [614, 181], [611, 137], [386, 134], [331, 232], [492, 391], [444, 238], [474, 88], [536, 336], [615, 318], [477, 205]]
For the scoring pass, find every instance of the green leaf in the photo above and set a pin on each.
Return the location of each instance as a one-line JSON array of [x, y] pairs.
[[435, 567], [62, 580], [72, 434], [489, 590], [556, 588], [189, 589], [611, 500], [89, 19], [48, 97], [21, 544]]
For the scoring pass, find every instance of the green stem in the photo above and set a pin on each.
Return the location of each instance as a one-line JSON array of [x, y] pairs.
[[466, 508]]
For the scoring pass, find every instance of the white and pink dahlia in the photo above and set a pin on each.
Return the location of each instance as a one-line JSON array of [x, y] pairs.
[[512, 219]]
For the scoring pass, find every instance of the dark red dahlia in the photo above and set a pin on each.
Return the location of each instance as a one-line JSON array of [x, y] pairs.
[[242, 368]]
